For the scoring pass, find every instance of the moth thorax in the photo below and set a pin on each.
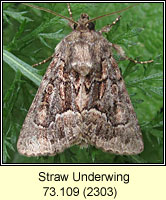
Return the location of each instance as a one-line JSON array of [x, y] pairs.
[[81, 60], [82, 68]]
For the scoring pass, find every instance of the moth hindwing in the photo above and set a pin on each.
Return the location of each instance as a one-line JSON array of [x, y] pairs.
[[82, 99]]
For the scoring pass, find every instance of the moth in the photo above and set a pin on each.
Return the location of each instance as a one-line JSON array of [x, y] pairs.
[[82, 98]]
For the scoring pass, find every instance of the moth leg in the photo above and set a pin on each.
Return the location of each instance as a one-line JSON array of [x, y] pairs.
[[70, 13], [121, 52], [107, 28], [44, 61]]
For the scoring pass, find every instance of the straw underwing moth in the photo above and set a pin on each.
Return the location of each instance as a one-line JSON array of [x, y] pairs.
[[82, 98]]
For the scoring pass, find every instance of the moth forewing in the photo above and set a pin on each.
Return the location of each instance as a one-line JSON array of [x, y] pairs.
[[81, 99]]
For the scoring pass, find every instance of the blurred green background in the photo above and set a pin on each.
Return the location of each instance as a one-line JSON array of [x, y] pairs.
[[30, 36]]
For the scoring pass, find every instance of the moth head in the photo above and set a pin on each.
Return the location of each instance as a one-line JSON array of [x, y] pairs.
[[84, 24]]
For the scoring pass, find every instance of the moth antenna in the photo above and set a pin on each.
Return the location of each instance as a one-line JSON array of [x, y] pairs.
[[119, 11], [50, 11], [69, 9]]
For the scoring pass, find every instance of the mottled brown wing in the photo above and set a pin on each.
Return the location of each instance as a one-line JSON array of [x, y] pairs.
[[110, 122], [50, 126], [82, 99]]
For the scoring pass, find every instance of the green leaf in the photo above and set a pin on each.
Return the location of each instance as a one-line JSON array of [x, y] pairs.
[[17, 64], [127, 35], [35, 33], [138, 159], [17, 16], [9, 101], [11, 96]]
